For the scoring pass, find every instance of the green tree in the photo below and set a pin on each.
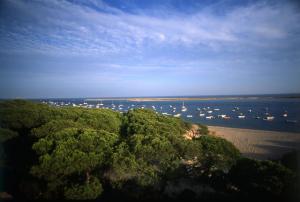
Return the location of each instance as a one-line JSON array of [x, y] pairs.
[[218, 153], [261, 178], [69, 158]]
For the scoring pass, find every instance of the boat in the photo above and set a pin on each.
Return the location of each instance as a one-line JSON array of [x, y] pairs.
[[217, 109], [285, 114], [226, 117], [183, 108], [257, 117], [222, 116], [189, 116], [209, 117], [209, 112], [177, 115], [249, 110], [241, 116], [291, 121], [269, 118], [201, 114], [101, 104]]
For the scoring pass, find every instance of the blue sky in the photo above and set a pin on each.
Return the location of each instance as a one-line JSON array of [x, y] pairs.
[[97, 48]]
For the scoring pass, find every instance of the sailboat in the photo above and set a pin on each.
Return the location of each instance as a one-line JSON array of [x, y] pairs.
[[183, 108], [177, 115]]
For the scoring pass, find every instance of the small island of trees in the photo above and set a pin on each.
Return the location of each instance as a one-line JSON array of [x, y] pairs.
[[50, 153]]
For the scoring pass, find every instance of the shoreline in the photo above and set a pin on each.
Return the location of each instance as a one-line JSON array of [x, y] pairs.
[[153, 99], [259, 144]]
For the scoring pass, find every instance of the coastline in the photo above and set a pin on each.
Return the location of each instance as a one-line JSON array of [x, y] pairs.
[[259, 144], [199, 98], [163, 99]]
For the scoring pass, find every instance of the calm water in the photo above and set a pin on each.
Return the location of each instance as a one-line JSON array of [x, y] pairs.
[[259, 107]]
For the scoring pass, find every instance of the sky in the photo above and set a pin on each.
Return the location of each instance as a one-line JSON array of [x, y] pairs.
[[102, 48]]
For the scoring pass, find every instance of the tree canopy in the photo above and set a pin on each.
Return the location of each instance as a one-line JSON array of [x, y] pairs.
[[77, 153]]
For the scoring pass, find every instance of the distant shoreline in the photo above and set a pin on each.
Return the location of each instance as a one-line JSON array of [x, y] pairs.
[[150, 99]]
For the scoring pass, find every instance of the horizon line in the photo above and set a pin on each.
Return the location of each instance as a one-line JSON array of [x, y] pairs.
[[162, 96]]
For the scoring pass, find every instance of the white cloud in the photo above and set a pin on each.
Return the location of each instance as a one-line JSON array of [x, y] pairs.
[[60, 27]]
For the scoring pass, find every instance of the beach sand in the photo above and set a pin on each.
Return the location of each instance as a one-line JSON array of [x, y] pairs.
[[259, 144]]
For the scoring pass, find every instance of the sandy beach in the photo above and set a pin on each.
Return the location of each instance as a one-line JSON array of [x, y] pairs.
[[259, 144]]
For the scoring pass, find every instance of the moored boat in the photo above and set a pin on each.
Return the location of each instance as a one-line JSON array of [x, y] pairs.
[[177, 115], [269, 118], [291, 121]]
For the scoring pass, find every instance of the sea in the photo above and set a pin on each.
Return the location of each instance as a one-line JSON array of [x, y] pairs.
[[273, 113]]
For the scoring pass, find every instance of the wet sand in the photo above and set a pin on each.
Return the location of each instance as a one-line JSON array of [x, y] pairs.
[[259, 144]]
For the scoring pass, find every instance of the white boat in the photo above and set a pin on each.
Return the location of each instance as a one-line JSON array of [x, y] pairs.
[[183, 108], [201, 115], [217, 109], [291, 121], [222, 116], [209, 112], [177, 115], [209, 117], [285, 114], [241, 116], [269, 118], [101, 104], [189, 116]]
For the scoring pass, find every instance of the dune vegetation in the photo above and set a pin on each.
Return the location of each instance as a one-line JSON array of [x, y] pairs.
[[86, 154]]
